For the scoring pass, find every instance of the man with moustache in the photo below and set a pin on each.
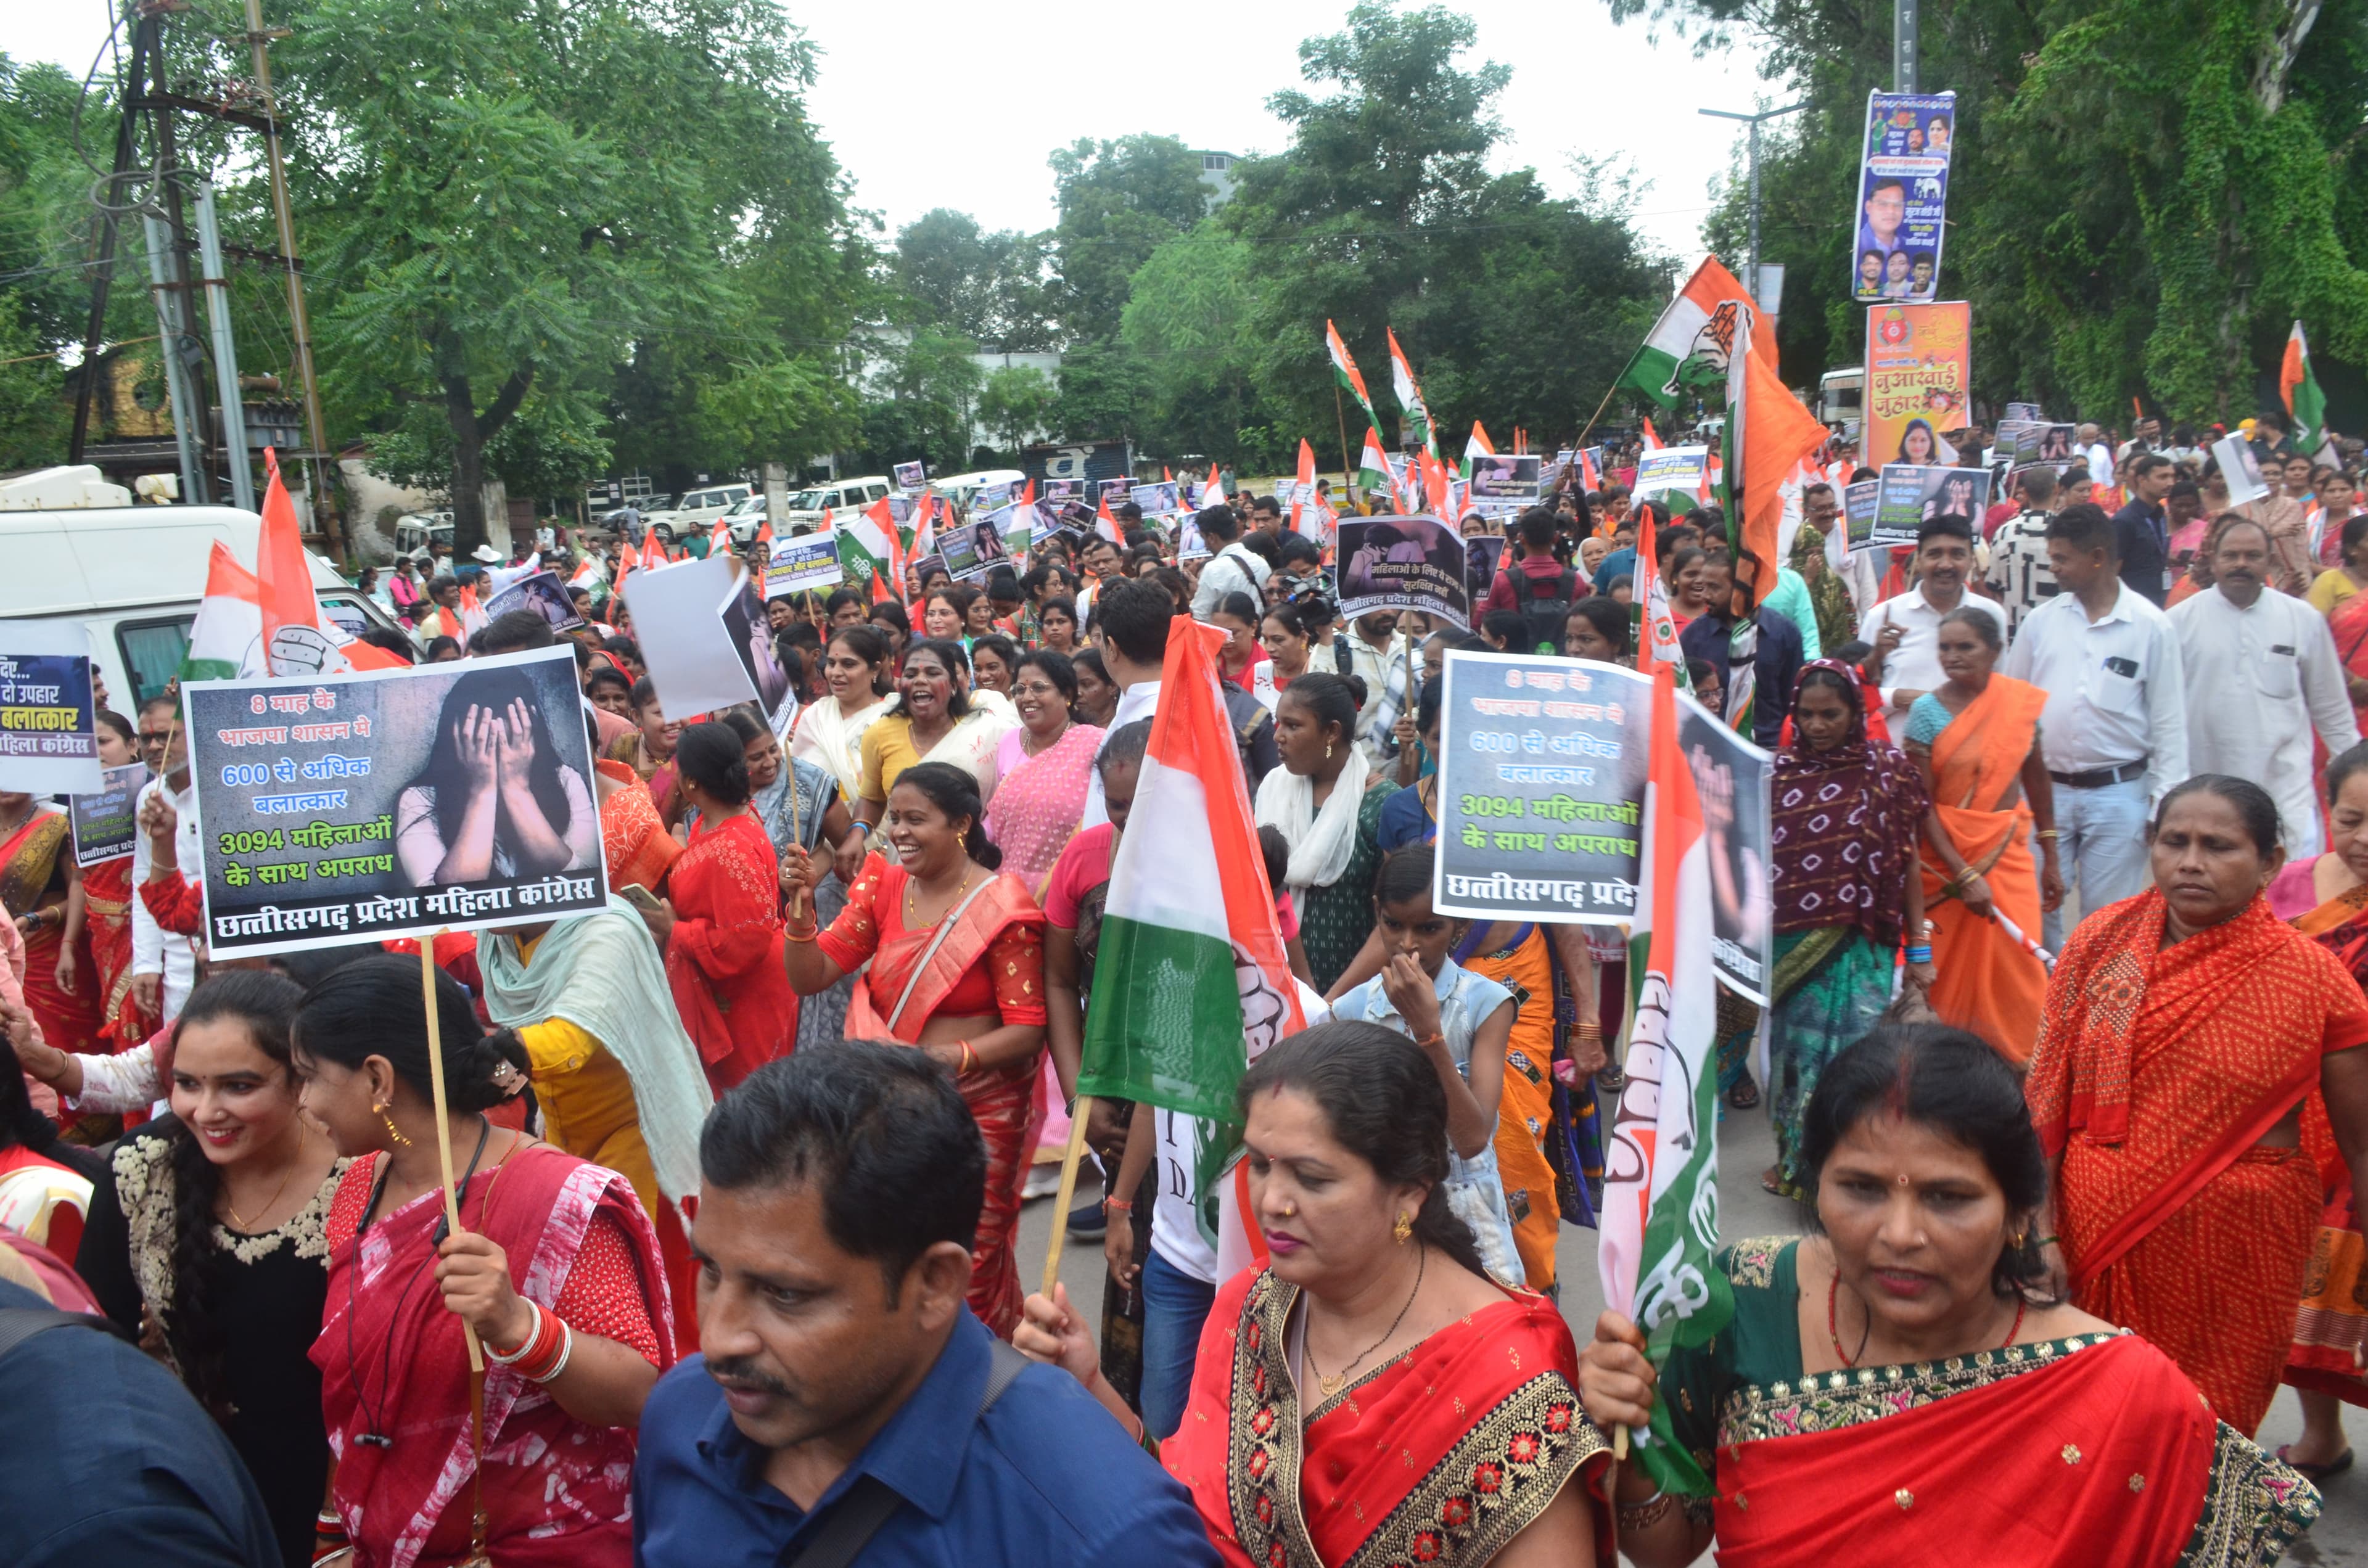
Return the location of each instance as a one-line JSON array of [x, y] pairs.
[[847, 1406], [1906, 630]]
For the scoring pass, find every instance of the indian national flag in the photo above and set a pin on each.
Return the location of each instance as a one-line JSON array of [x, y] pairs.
[[226, 638], [1477, 444], [1660, 1191], [299, 641], [1344, 371], [924, 539], [1656, 634], [1688, 349], [719, 539], [867, 546], [1194, 979], [1106, 526], [2298, 388], [1213, 489], [1373, 465], [1653, 442], [1416, 413]]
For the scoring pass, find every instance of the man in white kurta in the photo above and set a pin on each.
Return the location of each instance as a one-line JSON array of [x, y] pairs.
[[2262, 673]]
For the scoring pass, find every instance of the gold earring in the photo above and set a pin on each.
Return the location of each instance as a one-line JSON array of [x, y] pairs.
[[1404, 1229], [392, 1129], [2018, 1238], [1327, 750]]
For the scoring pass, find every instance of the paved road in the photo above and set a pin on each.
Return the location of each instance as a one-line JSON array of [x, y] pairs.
[[2340, 1537]]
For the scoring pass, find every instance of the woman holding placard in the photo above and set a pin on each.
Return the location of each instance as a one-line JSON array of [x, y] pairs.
[[98, 917], [493, 800], [36, 870]]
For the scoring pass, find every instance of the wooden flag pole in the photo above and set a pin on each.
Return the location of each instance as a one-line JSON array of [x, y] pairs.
[[1597, 414], [1347, 464], [1079, 1114], [443, 1119]]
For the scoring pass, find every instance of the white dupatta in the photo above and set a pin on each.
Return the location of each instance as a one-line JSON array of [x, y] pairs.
[[1321, 841], [828, 738]]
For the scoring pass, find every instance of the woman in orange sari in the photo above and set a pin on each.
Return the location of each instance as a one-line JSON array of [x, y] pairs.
[[99, 918], [2185, 1030], [957, 970], [37, 870], [1976, 742]]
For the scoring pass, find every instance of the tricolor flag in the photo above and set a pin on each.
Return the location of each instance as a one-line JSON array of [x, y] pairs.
[[1416, 413], [1213, 489], [299, 641], [1477, 444], [924, 537], [1303, 489], [868, 545], [1195, 982], [1106, 526], [1374, 466], [226, 638], [719, 539], [1653, 442], [2298, 389], [1657, 632], [586, 576], [1344, 371], [1689, 347], [1660, 1221]]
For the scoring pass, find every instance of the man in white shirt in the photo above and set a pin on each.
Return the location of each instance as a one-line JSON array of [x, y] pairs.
[[2097, 454], [2115, 733], [1233, 570], [163, 966], [1131, 629], [1906, 632], [2262, 673], [1385, 661]]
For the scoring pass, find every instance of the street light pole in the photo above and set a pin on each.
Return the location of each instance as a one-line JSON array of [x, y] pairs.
[[1903, 46], [1751, 145]]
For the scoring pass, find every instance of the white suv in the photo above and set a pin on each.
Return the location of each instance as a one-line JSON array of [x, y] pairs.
[[806, 508], [697, 511]]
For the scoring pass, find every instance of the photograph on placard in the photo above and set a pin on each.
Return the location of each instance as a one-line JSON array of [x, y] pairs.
[[2241, 469], [1912, 496], [752, 639], [1483, 555], [1858, 503], [1731, 783], [909, 477], [1156, 498], [1189, 543], [543, 593], [1402, 563], [105, 822], [959, 550], [1505, 477]]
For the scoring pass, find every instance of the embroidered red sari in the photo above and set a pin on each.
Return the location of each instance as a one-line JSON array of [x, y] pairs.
[[28, 872], [990, 965], [107, 896], [1439, 1456], [1987, 982], [393, 1364], [724, 961], [2157, 1072]]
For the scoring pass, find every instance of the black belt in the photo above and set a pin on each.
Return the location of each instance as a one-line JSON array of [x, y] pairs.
[[2098, 778]]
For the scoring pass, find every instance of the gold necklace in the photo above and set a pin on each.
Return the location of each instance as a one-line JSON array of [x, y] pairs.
[[1334, 1385], [269, 1203], [912, 907]]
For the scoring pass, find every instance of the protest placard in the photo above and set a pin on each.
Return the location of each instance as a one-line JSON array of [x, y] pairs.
[[974, 548], [1113, 489], [1402, 563], [1672, 470], [1189, 544], [1731, 780], [104, 824], [678, 620], [1061, 489], [751, 634], [1912, 496], [383, 803], [2023, 410], [1484, 555], [803, 564], [1541, 788], [543, 592], [909, 477], [1918, 376], [49, 723], [991, 497], [1903, 193], [1156, 499], [1015, 524], [2021, 443], [2240, 468], [1505, 478], [1859, 503]]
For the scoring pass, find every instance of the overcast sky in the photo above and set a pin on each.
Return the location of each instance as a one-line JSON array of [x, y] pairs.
[[930, 103]]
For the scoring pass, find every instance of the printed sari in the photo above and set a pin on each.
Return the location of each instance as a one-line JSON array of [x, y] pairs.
[[1441, 1455], [106, 921], [2350, 624], [2092, 1451], [555, 1490], [29, 871], [2331, 1339], [1040, 800], [2157, 1072], [1988, 982], [724, 961], [639, 850], [985, 959]]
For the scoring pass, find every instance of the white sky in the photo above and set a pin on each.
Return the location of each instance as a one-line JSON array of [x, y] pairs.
[[907, 94]]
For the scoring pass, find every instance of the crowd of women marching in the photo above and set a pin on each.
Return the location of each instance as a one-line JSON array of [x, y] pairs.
[[2068, 1234]]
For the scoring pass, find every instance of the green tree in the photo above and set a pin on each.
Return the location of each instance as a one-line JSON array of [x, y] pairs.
[[43, 191], [1193, 322], [1103, 391], [1120, 201], [1014, 403], [992, 288], [924, 392]]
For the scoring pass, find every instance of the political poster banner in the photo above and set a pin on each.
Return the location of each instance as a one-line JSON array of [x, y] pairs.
[[1672, 470], [105, 822], [49, 721], [1859, 501], [543, 592], [2240, 468], [2023, 410], [803, 564], [1912, 496], [1903, 196], [1541, 788], [909, 477], [1402, 563], [1061, 490], [1157, 498], [1015, 524], [1506, 478], [1731, 778], [1919, 374], [382, 803]]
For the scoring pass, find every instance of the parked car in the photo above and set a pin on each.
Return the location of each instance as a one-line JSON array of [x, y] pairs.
[[804, 512], [745, 520], [697, 511], [414, 533], [961, 488]]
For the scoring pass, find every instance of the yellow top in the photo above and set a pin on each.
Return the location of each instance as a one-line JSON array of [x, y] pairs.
[[888, 750], [2334, 587], [587, 1100]]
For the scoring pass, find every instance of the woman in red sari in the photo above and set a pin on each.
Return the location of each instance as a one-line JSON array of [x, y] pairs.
[[1371, 1394], [97, 947], [37, 870], [554, 1266], [957, 970], [722, 938], [2185, 1029], [1900, 1386]]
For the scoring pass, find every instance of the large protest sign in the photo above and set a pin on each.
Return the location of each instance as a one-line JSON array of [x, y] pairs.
[[1731, 780], [1903, 196], [678, 621], [974, 548], [1672, 470], [1919, 371], [1858, 503], [1912, 496], [802, 564], [1402, 563], [1015, 524], [2240, 468], [1484, 556], [1540, 777], [49, 721], [104, 824], [750, 632], [1155, 499], [543, 592], [1506, 478], [2021, 443], [385, 803]]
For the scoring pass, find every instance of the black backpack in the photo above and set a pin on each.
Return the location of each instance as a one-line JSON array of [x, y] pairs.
[[1546, 605]]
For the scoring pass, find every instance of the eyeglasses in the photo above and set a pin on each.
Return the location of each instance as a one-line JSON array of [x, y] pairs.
[[155, 737]]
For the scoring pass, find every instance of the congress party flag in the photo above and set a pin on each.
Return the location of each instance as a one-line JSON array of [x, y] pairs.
[[1477, 444], [1344, 371], [1303, 491], [226, 638], [1373, 465], [2298, 389], [299, 639], [1660, 1181], [1194, 981], [1688, 349], [867, 546], [1416, 412]]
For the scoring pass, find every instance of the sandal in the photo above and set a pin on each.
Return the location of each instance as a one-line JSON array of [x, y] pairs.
[[2316, 1474], [1744, 1095]]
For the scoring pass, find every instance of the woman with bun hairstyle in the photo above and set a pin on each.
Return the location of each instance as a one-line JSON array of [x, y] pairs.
[[554, 1266], [957, 970]]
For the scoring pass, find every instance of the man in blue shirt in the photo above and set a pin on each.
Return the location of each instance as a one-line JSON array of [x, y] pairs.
[[839, 1195]]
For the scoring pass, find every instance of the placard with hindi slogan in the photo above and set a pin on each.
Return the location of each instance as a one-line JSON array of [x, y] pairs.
[[105, 822], [386, 803], [1541, 788], [49, 719]]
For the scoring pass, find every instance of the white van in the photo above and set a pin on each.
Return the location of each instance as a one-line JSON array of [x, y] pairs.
[[960, 488], [804, 513], [133, 576], [697, 511]]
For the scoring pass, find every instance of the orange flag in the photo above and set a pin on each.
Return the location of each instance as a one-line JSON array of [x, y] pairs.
[[1776, 432]]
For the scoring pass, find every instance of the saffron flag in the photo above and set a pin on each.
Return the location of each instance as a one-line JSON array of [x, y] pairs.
[[1659, 1226], [1344, 371], [1416, 412], [1213, 490], [1196, 981], [1589, 475], [2298, 389], [923, 539], [1303, 489], [1688, 350], [1477, 444], [1653, 442]]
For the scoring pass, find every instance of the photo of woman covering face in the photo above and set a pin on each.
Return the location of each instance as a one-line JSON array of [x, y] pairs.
[[494, 800]]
